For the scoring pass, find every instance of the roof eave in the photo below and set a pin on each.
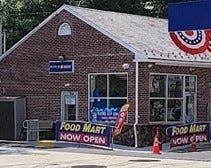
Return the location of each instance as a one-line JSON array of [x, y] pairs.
[[31, 32], [138, 56]]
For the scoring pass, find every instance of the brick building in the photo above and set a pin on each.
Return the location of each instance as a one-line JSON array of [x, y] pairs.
[[84, 64]]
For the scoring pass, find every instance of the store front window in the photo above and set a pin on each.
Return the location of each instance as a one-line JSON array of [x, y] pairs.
[[107, 93], [172, 98]]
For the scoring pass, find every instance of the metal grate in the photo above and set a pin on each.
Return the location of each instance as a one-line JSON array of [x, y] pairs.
[[34, 127], [32, 130]]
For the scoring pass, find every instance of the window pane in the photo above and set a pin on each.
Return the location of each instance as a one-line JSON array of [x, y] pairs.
[[157, 110], [114, 108], [99, 103], [190, 82], [175, 85], [117, 102], [189, 107], [105, 109], [118, 85], [174, 110], [98, 109], [98, 85], [157, 86], [100, 113]]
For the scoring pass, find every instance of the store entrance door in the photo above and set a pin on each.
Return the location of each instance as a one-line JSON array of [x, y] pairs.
[[69, 105]]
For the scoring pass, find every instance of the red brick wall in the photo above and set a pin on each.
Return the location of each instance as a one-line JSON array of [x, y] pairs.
[[24, 72], [146, 130], [203, 88]]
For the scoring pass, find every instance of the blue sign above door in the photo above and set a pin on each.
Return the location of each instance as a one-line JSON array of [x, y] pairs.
[[66, 66]]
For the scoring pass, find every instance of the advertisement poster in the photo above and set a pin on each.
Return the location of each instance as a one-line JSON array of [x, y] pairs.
[[183, 134], [83, 132], [104, 115], [121, 119]]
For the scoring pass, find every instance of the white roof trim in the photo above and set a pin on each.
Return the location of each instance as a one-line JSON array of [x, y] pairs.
[[71, 10], [31, 33], [180, 63]]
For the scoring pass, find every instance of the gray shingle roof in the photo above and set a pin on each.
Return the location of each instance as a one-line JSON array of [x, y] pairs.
[[147, 37], [146, 34]]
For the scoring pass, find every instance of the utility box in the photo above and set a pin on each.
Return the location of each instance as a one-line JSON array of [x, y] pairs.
[[12, 115]]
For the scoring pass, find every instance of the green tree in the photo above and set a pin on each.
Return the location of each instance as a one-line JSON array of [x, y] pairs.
[[21, 16]]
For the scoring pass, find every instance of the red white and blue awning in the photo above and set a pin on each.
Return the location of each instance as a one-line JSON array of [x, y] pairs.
[[193, 42]]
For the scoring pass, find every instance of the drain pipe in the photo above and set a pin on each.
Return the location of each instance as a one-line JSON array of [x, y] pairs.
[[136, 107], [1, 45], [4, 36]]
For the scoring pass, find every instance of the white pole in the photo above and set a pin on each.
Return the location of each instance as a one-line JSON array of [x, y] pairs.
[[136, 107], [4, 35], [0, 35]]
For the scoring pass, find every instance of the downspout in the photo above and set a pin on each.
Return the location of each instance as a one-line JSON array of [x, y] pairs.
[[138, 58], [1, 36], [4, 35], [136, 106]]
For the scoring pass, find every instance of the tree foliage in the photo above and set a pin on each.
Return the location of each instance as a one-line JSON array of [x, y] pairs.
[[21, 16]]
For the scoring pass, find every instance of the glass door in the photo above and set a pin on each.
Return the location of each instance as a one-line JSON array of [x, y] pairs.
[[190, 109], [69, 105]]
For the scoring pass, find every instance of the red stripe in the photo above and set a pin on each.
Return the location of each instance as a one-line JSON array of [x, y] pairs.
[[187, 49]]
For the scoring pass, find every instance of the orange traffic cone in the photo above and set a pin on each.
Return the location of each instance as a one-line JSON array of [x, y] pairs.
[[156, 146], [193, 143]]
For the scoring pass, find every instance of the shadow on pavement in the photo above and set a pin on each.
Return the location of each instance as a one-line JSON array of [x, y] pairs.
[[144, 160], [88, 166]]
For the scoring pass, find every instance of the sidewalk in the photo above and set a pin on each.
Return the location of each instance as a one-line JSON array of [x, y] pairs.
[[60, 144], [86, 158], [118, 150], [115, 147]]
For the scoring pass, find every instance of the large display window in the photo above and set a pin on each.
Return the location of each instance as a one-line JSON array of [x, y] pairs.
[[107, 93], [168, 98]]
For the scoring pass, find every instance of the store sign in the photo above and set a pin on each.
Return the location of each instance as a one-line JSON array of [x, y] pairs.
[[66, 66], [193, 15], [183, 134], [83, 132]]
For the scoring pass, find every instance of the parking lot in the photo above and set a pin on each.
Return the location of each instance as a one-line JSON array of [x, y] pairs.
[[72, 157]]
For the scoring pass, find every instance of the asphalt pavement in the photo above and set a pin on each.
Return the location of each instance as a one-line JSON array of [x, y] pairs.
[[117, 150], [75, 157]]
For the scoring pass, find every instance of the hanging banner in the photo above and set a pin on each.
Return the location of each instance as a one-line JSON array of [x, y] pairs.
[[194, 15], [182, 134], [193, 42], [189, 25], [121, 119], [83, 132]]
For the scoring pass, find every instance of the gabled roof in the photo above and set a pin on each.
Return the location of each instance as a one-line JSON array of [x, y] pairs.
[[147, 37]]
